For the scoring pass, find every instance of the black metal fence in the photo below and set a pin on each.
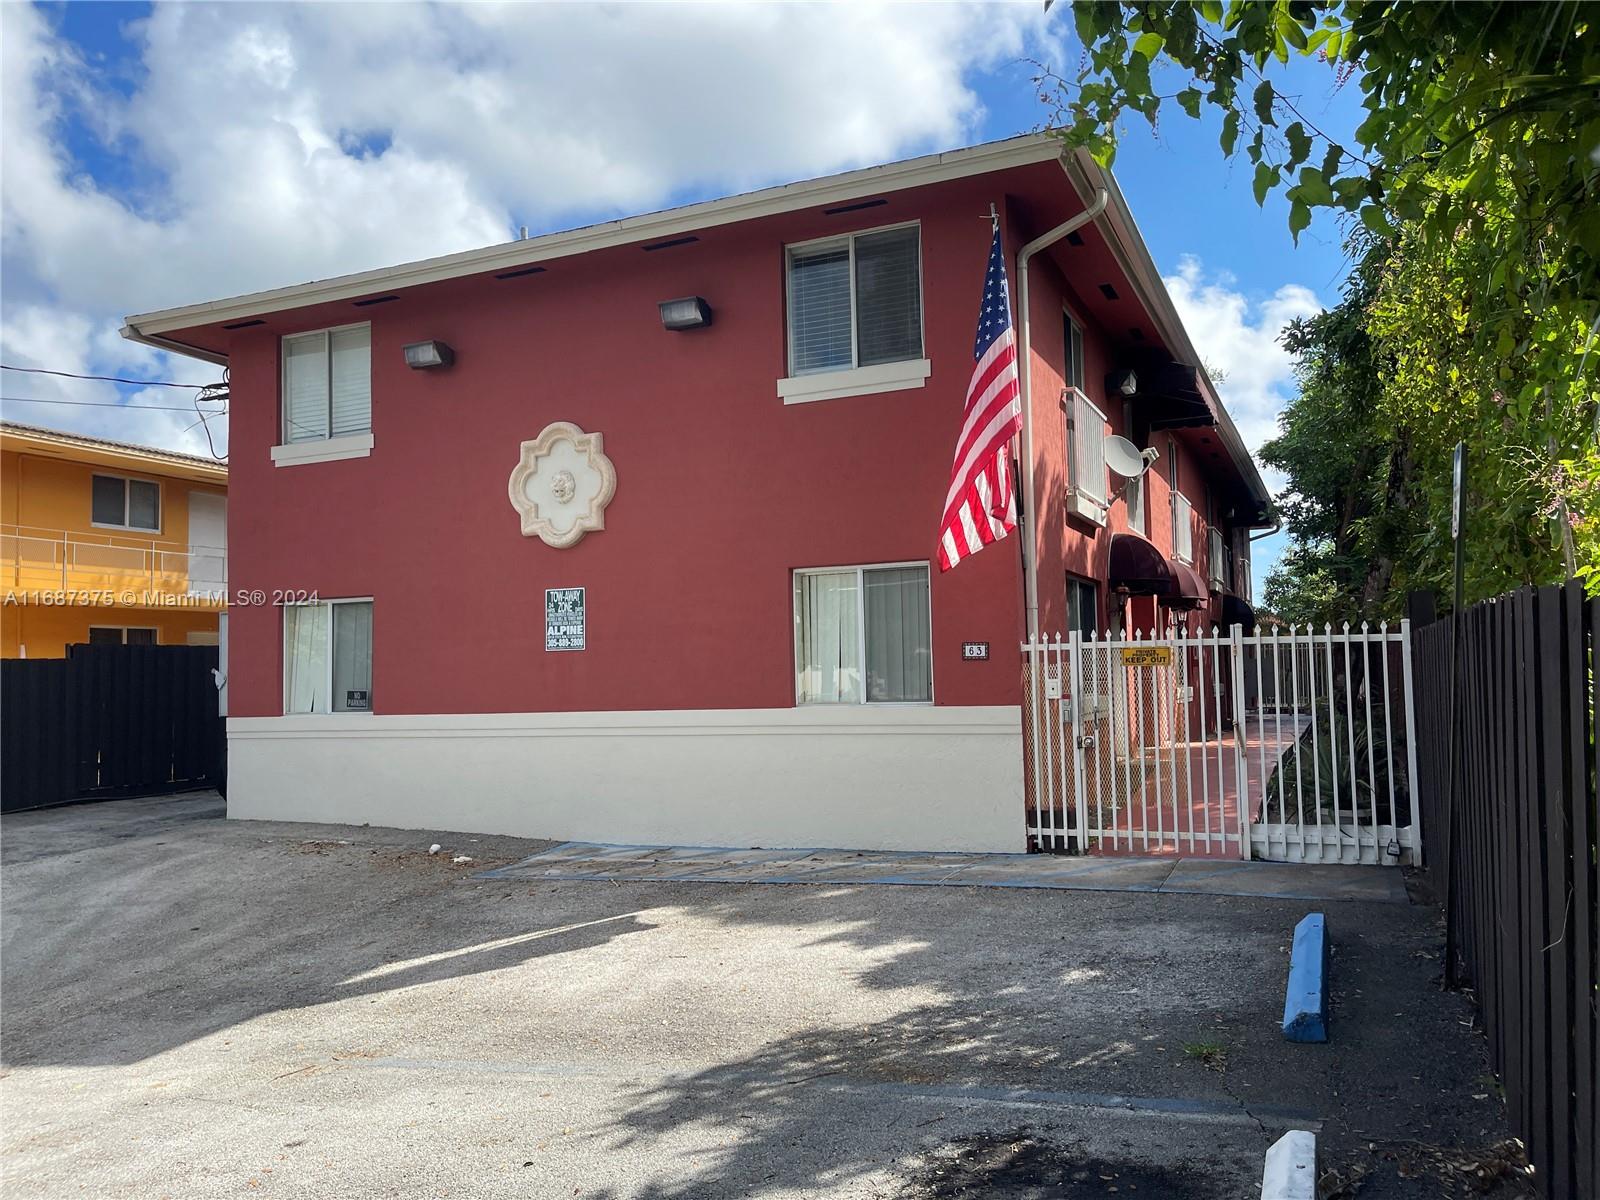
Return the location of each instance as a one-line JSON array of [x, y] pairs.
[[1510, 821], [108, 721]]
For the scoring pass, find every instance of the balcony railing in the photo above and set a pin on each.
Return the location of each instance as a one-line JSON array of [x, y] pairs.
[[82, 568]]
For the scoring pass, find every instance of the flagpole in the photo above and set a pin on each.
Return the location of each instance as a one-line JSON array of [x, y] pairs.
[[1019, 497], [1026, 510]]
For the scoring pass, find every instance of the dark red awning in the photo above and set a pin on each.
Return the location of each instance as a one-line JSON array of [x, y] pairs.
[[1138, 568], [1235, 611], [1188, 591]]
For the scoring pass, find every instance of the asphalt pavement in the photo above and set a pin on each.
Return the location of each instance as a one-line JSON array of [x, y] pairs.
[[197, 1007]]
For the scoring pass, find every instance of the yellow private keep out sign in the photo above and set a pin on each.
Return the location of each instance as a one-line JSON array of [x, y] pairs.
[[1147, 656]]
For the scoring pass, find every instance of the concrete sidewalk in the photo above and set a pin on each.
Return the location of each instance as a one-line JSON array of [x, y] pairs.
[[1187, 876]]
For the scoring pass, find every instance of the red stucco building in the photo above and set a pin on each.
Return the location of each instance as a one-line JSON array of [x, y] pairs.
[[769, 654]]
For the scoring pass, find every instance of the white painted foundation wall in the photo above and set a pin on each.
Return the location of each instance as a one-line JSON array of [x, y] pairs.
[[849, 777]]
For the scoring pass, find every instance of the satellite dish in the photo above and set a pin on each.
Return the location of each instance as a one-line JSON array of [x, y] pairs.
[[1126, 459]]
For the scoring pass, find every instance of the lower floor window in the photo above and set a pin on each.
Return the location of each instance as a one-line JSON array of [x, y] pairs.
[[863, 635], [327, 657], [116, 635], [1083, 606]]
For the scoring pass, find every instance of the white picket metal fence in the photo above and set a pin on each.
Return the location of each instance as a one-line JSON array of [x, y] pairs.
[[1291, 745]]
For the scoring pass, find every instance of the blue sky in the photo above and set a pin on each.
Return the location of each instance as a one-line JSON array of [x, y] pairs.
[[161, 155]]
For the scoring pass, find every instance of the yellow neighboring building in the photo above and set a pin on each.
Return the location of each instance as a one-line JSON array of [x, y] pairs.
[[106, 542]]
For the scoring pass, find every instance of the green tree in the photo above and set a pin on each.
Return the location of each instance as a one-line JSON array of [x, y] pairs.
[[1525, 413], [1348, 468], [1475, 167], [1388, 383]]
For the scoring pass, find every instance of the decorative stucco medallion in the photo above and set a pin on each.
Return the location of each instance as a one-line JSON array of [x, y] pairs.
[[562, 484]]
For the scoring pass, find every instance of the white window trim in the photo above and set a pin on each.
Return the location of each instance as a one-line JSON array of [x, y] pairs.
[[858, 381], [861, 634], [283, 665], [1095, 703], [853, 380], [1067, 359], [1075, 580], [161, 504], [1184, 507], [1080, 501], [1217, 559], [1135, 487], [295, 454], [330, 448], [155, 633]]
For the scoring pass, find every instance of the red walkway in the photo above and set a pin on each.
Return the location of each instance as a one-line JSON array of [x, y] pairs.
[[1188, 803]]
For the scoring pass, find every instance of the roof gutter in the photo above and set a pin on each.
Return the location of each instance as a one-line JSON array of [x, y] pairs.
[[1267, 530], [1030, 549], [133, 334], [1133, 256]]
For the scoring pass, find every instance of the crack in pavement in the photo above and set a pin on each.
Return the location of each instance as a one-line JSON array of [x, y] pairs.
[[968, 1094]]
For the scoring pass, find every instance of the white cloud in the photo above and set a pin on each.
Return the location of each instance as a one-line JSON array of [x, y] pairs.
[[41, 336], [278, 143], [1240, 337]]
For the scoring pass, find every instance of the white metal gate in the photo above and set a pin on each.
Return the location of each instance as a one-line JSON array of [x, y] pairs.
[[1292, 745]]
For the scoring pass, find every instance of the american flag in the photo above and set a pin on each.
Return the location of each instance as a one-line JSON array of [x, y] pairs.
[[980, 507]]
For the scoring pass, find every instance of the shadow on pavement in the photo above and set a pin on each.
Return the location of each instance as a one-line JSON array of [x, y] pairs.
[[992, 1040]]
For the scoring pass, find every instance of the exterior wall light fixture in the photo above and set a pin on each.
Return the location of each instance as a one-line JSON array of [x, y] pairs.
[[422, 356], [690, 312]]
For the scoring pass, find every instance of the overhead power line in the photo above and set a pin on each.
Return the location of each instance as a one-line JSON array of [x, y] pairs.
[[107, 378], [113, 404]]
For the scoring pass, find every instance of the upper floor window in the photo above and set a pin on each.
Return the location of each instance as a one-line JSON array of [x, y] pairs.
[[863, 635], [1133, 500], [1072, 338], [855, 301], [1182, 529], [1218, 560], [327, 384], [125, 503]]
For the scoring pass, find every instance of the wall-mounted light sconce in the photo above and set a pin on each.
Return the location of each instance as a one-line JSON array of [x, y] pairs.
[[1125, 382], [690, 312], [422, 356]]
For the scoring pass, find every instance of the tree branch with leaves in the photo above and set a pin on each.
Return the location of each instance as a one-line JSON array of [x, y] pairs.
[[1475, 172]]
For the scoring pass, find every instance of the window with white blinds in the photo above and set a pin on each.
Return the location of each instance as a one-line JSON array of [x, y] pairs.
[[855, 301], [820, 337], [327, 383], [1182, 529]]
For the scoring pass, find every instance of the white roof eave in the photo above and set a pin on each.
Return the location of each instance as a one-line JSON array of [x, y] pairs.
[[1117, 223], [915, 172], [1133, 256]]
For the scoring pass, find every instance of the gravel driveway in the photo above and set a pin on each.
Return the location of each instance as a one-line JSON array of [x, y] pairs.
[[200, 1007]]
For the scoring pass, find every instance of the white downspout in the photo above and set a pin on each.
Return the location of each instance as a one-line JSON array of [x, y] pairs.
[[1030, 542]]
